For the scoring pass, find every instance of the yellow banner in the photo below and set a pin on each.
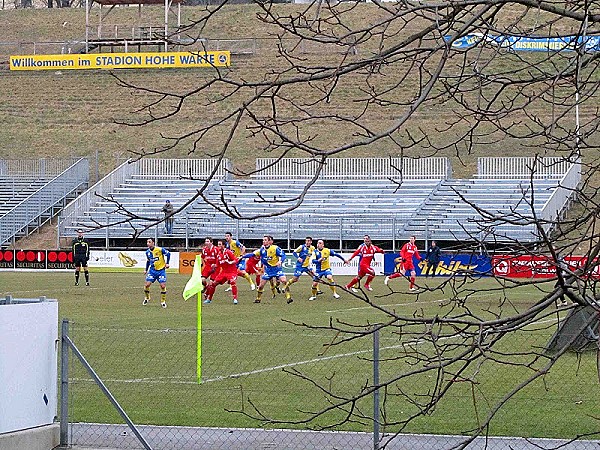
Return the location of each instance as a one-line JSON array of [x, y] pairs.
[[156, 60]]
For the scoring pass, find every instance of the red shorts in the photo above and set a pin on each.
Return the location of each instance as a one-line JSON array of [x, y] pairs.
[[225, 277], [209, 272], [252, 268], [365, 270], [408, 266]]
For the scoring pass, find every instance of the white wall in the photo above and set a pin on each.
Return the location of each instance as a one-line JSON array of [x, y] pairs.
[[28, 365]]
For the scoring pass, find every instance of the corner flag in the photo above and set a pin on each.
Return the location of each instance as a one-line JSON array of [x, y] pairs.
[[194, 286]]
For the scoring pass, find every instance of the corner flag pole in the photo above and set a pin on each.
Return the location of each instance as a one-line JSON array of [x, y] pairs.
[[194, 286]]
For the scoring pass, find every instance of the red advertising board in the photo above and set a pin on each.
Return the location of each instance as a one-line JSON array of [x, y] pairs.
[[534, 266]]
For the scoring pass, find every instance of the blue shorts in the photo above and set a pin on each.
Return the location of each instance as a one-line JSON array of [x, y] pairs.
[[323, 274], [153, 275], [300, 270], [242, 264], [272, 272]]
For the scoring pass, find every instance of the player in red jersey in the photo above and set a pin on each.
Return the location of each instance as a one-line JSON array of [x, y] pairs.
[[227, 272], [254, 267], [366, 252], [406, 263], [209, 261]]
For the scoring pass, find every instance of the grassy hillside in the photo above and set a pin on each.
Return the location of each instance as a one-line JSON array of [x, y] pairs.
[[67, 113]]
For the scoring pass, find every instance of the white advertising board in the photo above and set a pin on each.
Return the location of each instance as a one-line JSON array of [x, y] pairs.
[[125, 259], [28, 365], [337, 265]]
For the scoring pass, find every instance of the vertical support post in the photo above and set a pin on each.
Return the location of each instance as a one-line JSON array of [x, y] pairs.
[[156, 231], [394, 234], [106, 232], [187, 230], [341, 231], [64, 384], [376, 392], [58, 233], [166, 36], [289, 233]]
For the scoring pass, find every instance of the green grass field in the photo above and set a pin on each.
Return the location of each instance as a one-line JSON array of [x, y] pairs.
[[258, 358]]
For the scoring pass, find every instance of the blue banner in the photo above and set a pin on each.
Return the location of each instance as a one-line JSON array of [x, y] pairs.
[[528, 44], [449, 264]]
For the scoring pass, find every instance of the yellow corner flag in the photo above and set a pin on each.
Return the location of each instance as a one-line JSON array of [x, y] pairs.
[[194, 284]]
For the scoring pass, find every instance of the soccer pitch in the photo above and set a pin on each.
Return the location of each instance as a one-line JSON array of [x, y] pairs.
[[258, 360]]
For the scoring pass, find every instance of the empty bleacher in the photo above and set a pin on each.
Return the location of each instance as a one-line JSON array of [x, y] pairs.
[[473, 209], [33, 191], [338, 206]]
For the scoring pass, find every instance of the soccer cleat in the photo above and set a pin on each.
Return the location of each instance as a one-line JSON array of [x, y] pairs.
[[87, 283], [312, 298], [252, 287], [207, 301], [320, 292], [289, 300], [413, 288], [368, 287], [145, 302], [336, 295], [386, 281], [163, 304], [257, 300], [356, 291], [77, 283], [228, 289], [235, 302]]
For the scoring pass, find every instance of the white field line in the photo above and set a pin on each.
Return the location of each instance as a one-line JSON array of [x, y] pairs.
[[413, 303]]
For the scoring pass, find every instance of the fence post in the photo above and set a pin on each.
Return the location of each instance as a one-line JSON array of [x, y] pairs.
[[187, 230], [376, 392], [64, 384]]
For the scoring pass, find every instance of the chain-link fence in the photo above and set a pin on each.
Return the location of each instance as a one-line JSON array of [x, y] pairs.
[[317, 388]]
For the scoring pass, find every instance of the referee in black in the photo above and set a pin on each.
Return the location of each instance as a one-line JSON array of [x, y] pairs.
[[81, 255]]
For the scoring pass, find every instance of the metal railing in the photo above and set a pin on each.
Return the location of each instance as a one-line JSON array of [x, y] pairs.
[[42, 167], [192, 168], [525, 167], [560, 197], [360, 168], [102, 188], [30, 209]]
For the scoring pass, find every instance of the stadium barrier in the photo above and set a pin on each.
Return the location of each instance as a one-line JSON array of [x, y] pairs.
[[523, 167], [300, 388], [360, 168]]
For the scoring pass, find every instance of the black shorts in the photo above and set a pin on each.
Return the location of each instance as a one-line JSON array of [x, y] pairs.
[[80, 261]]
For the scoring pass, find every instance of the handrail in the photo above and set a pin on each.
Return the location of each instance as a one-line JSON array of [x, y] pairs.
[[33, 206]]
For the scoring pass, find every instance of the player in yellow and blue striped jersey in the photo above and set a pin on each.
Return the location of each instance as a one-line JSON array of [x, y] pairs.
[[304, 254], [323, 268], [157, 263], [271, 257]]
